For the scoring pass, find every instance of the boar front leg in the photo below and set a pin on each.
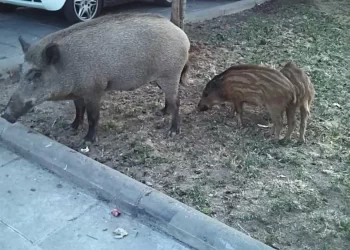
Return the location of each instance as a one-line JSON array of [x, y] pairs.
[[276, 117], [79, 113], [238, 109], [164, 111], [93, 114]]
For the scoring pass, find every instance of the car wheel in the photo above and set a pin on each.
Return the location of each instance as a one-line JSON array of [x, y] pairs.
[[82, 10], [165, 3], [7, 7]]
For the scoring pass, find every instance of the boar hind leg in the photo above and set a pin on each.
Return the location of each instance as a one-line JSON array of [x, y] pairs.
[[170, 89], [174, 106], [291, 122], [79, 113], [304, 115], [93, 114]]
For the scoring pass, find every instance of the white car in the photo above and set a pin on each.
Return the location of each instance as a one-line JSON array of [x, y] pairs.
[[74, 10]]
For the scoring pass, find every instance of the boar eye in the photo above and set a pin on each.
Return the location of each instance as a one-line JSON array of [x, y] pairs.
[[205, 94], [37, 74]]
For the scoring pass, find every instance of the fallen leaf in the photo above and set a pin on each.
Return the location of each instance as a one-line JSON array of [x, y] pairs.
[[327, 171], [149, 183], [120, 233], [264, 126], [336, 105], [85, 150]]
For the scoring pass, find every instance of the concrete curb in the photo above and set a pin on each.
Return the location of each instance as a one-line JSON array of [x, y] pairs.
[[222, 10], [132, 197]]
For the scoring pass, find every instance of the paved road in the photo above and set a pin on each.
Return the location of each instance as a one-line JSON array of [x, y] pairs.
[[33, 24], [42, 211]]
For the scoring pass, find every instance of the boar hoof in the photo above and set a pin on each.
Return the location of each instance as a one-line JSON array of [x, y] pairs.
[[164, 111], [173, 132], [74, 125], [284, 141], [86, 142], [68, 127], [300, 142]]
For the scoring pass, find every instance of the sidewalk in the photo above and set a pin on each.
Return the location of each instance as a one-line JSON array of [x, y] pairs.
[[42, 211]]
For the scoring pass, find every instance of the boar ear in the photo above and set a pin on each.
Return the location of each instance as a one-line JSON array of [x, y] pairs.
[[51, 54], [25, 45]]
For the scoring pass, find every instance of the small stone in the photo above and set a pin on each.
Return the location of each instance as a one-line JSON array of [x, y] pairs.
[[33, 189], [115, 212], [197, 171], [149, 183], [59, 185]]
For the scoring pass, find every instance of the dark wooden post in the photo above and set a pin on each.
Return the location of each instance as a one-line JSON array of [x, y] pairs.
[[178, 12]]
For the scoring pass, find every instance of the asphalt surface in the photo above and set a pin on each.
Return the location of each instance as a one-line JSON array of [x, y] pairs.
[[34, 24]]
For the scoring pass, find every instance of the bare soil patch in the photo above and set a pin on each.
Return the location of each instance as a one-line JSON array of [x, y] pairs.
[[290, 197]]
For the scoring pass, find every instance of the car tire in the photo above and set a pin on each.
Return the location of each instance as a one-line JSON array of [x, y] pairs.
[[165, 3], [7, 7], [71, 10]]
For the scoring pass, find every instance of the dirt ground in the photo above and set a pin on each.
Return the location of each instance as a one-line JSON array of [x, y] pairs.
[[290, 197]]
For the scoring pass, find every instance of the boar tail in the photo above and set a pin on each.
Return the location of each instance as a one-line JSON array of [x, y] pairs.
[[184, 75]]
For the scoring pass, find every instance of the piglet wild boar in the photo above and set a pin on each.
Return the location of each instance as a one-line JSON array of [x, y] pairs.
[[305, 93], [252, 84], [114, 52]]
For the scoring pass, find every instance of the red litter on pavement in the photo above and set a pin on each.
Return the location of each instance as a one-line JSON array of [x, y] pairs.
[[115, 212]]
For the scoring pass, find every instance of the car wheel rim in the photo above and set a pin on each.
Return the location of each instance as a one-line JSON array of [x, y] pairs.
[[85, 9]]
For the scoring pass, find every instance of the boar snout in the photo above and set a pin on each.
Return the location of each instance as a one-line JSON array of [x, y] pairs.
[[9, 118], [202, 107], [16, 109]]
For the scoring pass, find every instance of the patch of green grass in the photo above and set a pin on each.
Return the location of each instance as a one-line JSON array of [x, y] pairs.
[[284, 205], [142, 153], [199, 200], [344, 227]]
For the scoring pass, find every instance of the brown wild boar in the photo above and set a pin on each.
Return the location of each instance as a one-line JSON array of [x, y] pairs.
[[252, 84], [305, 93], [113, 52]]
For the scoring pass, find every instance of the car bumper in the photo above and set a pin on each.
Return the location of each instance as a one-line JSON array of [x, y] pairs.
[[51, 5]]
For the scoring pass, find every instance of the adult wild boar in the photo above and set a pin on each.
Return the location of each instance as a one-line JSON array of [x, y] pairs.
[[114, 52]]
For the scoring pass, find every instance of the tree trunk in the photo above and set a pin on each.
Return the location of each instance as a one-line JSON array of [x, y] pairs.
[[178, 12]]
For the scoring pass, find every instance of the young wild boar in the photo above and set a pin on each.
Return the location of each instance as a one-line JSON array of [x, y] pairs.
[[305, 93], [252, 84], [114, 52]]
